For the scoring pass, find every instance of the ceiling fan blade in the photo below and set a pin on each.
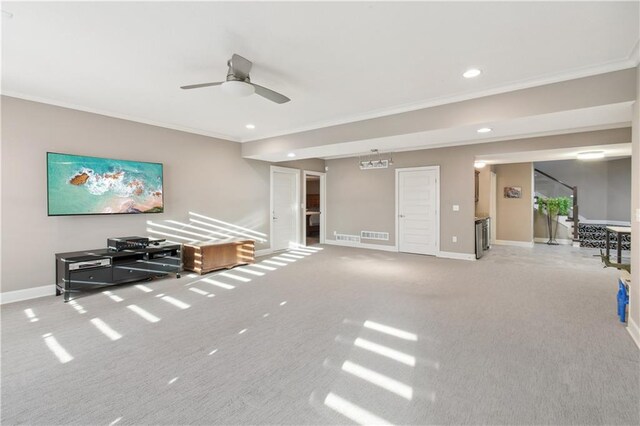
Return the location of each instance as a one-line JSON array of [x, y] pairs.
[[270, 94], [240, 66], [197, 86]]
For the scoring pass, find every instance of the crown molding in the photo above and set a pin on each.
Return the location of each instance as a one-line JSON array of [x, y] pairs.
[[634, 56], [630, 62], [119, 116]]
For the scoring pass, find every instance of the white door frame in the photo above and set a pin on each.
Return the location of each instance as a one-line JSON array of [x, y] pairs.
[[493, 199], [415, 169], [296, 173], [323, 204]]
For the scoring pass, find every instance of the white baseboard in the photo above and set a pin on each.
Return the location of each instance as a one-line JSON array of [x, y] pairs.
[[26, 294], [634, 331], [514, 243], [454, 255], [263, 252], [361, 245], [560, 241]]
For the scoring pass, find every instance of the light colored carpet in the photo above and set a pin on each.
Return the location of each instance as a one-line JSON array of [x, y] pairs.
[[523, 336]]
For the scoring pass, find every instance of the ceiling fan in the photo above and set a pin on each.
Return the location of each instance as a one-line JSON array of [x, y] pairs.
[[238, 82]]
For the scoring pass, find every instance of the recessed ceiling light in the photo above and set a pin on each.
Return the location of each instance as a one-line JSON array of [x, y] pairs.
[[479, 164], [590, 155], [250, 126], [291, 155], [472, 72], [484, 130]]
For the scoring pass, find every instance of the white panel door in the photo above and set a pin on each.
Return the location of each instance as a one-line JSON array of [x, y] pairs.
[[418, 212], [284, 214]]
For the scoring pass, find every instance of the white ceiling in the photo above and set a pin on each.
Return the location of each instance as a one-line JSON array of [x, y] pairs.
[[338, 62]]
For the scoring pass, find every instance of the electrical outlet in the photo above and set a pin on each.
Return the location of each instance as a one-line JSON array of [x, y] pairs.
[[456, 208], [454, 239]]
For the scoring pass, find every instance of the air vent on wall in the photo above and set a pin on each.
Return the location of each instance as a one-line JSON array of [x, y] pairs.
[[370, 235], [345, 237]]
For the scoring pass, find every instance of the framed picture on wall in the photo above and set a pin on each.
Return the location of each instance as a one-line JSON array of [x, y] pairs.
[[512, 192]]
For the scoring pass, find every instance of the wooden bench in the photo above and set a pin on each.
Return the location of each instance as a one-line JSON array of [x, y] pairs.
[[213, 255]]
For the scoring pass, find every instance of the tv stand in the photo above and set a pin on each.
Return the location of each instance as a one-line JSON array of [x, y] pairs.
[[105, 267]]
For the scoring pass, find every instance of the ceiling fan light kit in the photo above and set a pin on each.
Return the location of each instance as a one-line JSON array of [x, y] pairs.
[[238, 82], [237, 88]]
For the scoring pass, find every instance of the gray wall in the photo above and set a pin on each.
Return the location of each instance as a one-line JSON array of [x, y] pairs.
[[604, 187], [201, 174], [365, 199], [514, 216]]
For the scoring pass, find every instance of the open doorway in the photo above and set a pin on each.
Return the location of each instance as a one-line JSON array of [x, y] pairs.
[[314, 214]]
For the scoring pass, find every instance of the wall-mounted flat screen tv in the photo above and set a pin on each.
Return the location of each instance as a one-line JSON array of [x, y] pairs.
[[79, 185]]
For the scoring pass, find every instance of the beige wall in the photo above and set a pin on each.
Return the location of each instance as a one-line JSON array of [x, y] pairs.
[[634, 293], [365, 199], [360, 200], [201, 174], [514, 221]]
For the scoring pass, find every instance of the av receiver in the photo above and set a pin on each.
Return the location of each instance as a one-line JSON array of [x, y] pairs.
[[130, 243]]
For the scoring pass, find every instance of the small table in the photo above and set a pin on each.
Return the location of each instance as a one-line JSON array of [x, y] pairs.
[[619, 231]]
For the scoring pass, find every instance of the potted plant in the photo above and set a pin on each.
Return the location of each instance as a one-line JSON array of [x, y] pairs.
[[553, 207]]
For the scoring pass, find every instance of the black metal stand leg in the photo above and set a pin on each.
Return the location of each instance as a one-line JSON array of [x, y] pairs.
[[619, 242], [58, 292], [66, 296], [608, 243], [177, 275]]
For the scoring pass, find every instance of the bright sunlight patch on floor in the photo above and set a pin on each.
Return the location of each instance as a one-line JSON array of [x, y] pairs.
[[57, 349], [390, 331], [378, 379], [105, 329], [385, 351], [352, 411], [142, 313]]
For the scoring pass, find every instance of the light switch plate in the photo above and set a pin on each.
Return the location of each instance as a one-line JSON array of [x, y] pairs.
[[456, 208], [454, 239]]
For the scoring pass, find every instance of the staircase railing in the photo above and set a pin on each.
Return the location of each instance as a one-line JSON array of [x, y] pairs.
[[574, 210]]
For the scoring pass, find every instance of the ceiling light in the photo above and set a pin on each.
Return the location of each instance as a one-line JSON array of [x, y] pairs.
[[484, 130], [237, 88], [250, 126], [291, 155], [590, 155], [472, 72], [479, 164]]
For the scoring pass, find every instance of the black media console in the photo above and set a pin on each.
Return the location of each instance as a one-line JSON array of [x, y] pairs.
[[103, 267]]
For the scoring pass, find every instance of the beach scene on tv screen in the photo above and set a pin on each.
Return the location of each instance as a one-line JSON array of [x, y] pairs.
[[91, 185]]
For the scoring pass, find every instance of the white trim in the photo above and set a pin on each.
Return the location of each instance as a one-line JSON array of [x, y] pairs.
[[605, 222], [589, 71], [361, 245], [121, 116], [397, 191], [560, 241], [263, 252], [634, 331], [26, 294], [296, 173], [514, 243], [454, 255], [323, 204]]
